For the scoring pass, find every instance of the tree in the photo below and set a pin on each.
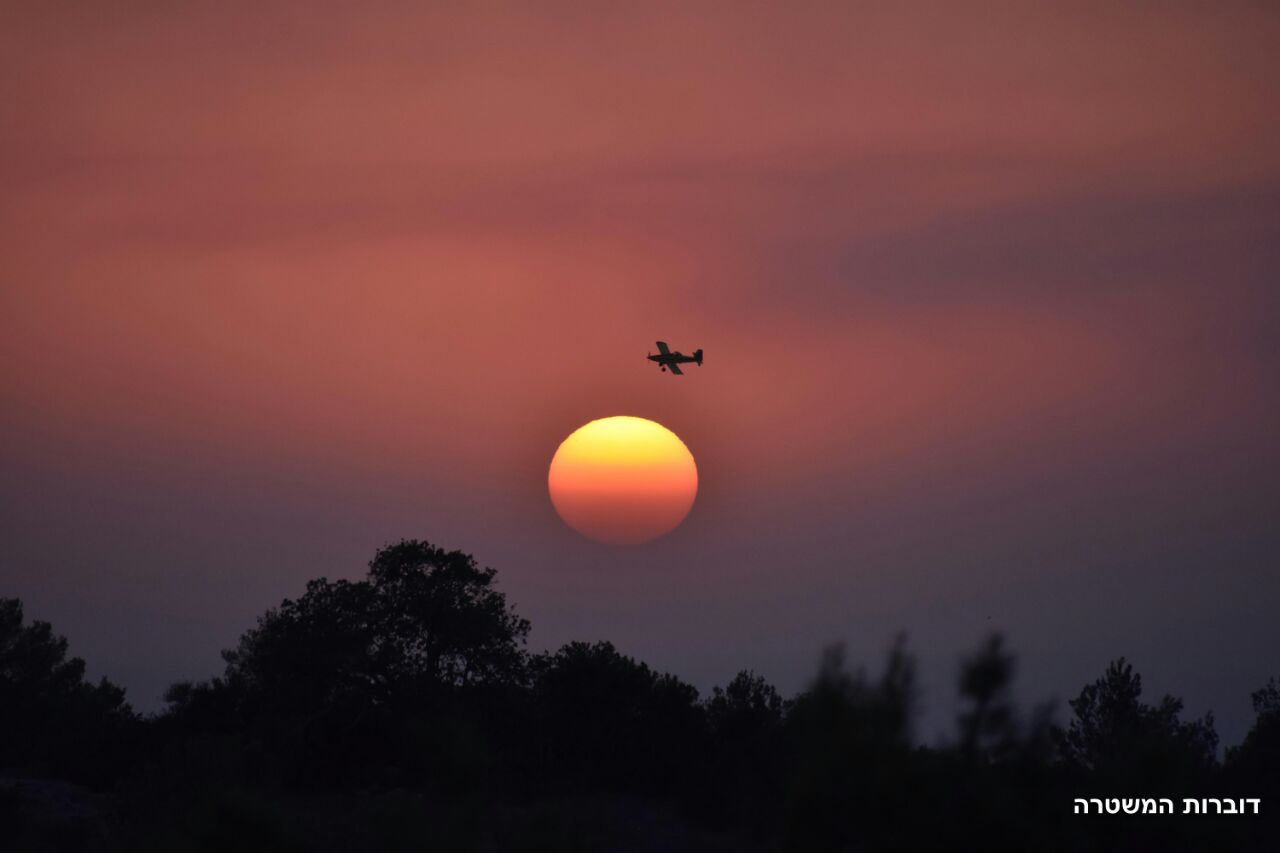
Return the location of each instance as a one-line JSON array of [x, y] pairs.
[[1121, 740], [604, 720], [746, 722], [1255, 763], [53, 721], [441, 617], [747, 709], [988, 725], [849, 745], [378, 679], [312, 653], [424, 621]]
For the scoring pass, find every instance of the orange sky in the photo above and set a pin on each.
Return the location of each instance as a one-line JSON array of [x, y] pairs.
[[988, 297]]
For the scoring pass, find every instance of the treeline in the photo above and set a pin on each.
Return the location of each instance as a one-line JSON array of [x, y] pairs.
[[403, 711]]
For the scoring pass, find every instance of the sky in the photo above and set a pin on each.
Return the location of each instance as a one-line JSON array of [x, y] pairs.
[[989, 296]]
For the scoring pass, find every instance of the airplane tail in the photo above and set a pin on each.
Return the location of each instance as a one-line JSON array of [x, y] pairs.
[[697, 357]]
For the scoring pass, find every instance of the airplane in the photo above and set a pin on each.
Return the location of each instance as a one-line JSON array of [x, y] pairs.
[[672, 360]]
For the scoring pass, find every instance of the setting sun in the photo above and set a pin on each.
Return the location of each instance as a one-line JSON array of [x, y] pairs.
[[623, 480]]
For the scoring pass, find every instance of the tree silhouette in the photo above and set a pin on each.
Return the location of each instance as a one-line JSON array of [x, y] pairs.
[[401, 710], [1125, 742], [424, 620], [988, 725], [370, 679], [1254, 765], [849, 745], [745, 718], [441, 619], [745, 710], [312, 653], [603, 719], [53, 721]]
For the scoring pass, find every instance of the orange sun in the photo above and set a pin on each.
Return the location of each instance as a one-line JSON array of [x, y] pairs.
[[623, 480]]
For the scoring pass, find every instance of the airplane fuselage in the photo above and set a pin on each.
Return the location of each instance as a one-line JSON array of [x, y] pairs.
[[671, 361], [673, 358]]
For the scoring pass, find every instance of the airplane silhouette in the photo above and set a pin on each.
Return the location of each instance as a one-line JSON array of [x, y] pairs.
[[672, 360]]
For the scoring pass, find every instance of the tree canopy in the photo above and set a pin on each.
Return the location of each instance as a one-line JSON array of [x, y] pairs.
[[1127, 742], [412, 686], [53, 720], [423, 621]]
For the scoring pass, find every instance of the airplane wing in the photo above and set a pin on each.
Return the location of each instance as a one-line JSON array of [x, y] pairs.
[[675, 368], [662, 348]]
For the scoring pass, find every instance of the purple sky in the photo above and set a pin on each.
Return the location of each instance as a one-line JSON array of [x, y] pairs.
[[989, 298]]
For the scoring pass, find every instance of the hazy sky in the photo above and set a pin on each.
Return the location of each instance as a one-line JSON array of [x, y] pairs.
[[989, 299]]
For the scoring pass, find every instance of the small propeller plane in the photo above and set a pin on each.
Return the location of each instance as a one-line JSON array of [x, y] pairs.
[[672, 360]]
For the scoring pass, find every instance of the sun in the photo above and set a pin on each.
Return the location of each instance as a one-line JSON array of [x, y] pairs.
[[623, 480]]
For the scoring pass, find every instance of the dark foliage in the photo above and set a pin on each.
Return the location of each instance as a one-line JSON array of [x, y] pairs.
[[1259, 753], [987, 724], [372, 681], [604, 720], [1253, 767], [1127, 745], [53, 721], [849, 748], [401, 712], [745, 780], [425, 621]]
